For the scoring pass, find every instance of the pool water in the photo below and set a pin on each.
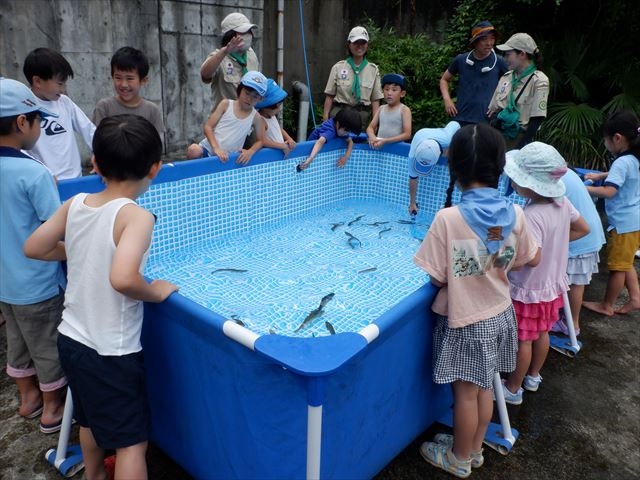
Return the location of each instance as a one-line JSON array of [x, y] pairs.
[[270, 280]]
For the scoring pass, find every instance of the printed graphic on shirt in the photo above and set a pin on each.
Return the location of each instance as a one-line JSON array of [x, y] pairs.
[[471, 257], [51, 127]]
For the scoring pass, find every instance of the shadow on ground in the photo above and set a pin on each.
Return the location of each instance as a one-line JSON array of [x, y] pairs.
[[583, 423]]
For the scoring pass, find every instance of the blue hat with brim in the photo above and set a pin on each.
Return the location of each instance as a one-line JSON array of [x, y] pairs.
[[255, 80], [273, 96], [17, 99], [394, 78]]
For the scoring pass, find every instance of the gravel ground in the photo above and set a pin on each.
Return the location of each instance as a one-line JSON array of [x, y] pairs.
[[583, 423]]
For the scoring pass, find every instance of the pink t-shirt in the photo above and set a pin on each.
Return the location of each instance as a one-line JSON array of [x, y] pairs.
[[476, 287], [549, 223]]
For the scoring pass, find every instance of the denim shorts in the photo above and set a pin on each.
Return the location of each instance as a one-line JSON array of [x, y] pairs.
[[109, 393]]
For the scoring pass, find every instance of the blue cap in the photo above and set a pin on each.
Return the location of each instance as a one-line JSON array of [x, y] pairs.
[[255, 80], [273, 96], [394, 78], [17, 99]]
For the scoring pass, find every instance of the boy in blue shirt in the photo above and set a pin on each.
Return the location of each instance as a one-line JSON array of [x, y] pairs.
[[31, 292], [346, 121]]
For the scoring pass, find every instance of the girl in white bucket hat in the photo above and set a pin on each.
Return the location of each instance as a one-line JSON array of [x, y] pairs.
[[535, 173]]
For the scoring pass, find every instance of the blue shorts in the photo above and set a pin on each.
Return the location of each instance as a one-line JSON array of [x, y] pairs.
[[109, 393]]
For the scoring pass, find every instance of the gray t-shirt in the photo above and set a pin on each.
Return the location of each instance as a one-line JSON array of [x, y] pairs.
[[110, 106]]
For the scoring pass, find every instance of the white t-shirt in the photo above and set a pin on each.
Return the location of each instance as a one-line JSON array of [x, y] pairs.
[[57, 147]]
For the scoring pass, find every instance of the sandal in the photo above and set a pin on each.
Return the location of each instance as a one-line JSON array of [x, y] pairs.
[[442, 457]]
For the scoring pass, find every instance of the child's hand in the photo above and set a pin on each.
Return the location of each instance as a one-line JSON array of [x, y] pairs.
[[595, 176], [221, 154], [377, 143], [244, 157], [163, 288], [304, 165], [290, 145], [413, 208], [342, 161]]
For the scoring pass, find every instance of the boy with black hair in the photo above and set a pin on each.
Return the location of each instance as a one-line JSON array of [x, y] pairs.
[[47, 71], [105, 238], [345, 123], [31, 292], [392, 122], [129, 73]]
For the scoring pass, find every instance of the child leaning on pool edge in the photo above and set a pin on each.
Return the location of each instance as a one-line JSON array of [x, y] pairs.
[[467, 253], [105, 238], [347, 121], [231, 122], [621, 191], [392, 122], [274, 136]]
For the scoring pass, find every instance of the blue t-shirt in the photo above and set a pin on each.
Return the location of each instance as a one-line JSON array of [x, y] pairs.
[[475, 87], [441, 135], [28, 197], [326, 129], [623, 209], [579, 196]]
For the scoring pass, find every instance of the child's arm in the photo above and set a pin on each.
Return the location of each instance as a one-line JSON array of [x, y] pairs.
[[132, 235], [267, 142], [209, 127], [342, 161], [314, 151], [291, 143], [372, 129], [82, 125], [45, 243], [606, 191], [579, 229], [595, 176], [259, 128]]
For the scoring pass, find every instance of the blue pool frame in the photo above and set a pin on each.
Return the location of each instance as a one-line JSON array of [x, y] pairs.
[[227, 403]]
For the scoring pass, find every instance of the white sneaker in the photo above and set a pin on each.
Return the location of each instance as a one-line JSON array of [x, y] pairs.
[[477, 459], [512, 398], [532, 383]]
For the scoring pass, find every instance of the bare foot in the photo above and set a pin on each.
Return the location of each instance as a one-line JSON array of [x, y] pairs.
[[599, 307], [628, 308]]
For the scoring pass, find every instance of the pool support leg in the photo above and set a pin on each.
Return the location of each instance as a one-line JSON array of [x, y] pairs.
[[500, 437], [315, 398], [569, 346], [66, 459]]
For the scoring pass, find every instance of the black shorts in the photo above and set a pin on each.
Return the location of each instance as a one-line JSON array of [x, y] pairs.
[[109, 393]]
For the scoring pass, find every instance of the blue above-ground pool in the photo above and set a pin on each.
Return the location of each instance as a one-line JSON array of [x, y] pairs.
[[231, 400]]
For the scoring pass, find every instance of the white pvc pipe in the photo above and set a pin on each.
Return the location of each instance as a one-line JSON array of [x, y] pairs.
[[314, 441], [65, 431], [303, 112], [280, 45], [502, 409], [370, 332]]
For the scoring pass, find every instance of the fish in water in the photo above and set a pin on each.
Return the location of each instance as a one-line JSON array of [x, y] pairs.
[[367, 270], [352, 241], [357, 219], [406, 222], [313, 314], [236, 319], [382, 231], [272, 331], [332, 330], [376, 224], [336, 225], [234, 270]]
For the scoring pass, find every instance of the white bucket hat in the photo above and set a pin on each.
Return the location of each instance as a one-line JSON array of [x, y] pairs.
[[539, 167]]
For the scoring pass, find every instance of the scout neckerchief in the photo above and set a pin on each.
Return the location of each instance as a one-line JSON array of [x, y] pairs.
[[355, 88], [509, 116], [241, 58], [514, 82], [489, 215]]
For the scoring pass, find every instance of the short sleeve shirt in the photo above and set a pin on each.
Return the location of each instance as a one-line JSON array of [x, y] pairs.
[[226, 78], [623, 209], [341, 79], [110, 106], [532, 102], [326, 129]]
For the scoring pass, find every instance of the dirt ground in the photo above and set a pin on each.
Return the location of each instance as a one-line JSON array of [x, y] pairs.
[[583, 423]]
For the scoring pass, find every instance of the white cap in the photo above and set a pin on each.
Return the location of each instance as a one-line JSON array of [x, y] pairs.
[[236, 22], [358, 33]]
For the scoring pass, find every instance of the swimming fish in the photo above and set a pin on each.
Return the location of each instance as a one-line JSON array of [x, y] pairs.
[[272, 331], [313, 314], [332, 330], [367, 270], [236, 319], [357, 219], [234, 270], [352, 240], [382, 231], [407, 222], [336, 225], [376, 224]]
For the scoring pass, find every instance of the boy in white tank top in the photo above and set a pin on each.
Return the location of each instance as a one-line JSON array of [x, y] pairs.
[[392, 122], [269, 107], [105, 238], [231, 122]]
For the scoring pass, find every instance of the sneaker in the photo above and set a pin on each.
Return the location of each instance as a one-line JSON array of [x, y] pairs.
[[442, 457], [477, 459], [512, 398], [532, 383]]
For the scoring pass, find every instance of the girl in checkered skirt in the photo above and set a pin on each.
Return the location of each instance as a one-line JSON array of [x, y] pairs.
[[468, 251]]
